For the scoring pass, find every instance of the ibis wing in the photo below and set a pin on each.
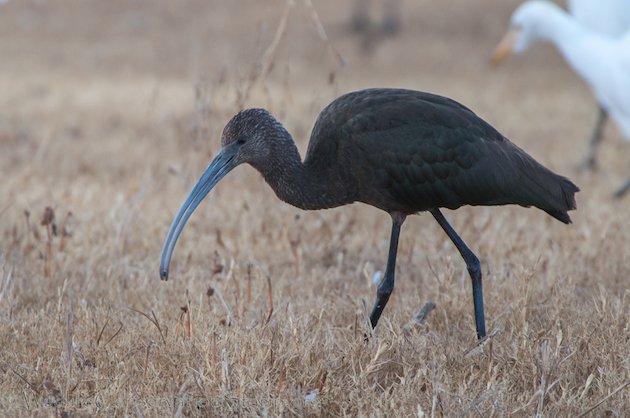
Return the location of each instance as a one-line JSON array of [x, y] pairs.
[[373, 111], [410, 151], [422, 166]]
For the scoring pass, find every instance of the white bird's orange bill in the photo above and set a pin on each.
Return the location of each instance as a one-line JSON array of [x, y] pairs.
[[504, 47]]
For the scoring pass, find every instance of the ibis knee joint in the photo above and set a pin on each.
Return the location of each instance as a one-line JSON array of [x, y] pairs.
[[474, 266]]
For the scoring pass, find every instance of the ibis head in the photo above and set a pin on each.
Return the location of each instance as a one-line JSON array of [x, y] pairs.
[[245, 139]]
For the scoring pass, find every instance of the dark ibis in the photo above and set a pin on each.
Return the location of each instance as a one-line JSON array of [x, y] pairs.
[[401, 151]]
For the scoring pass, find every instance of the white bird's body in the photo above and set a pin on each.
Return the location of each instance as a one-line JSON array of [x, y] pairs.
[[604, 64], [616, 92], [610, 18]]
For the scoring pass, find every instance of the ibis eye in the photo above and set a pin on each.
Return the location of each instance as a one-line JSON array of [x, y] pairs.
[[240, 141]]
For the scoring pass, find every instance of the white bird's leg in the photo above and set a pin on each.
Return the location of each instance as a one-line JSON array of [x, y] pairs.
[[623, 189], [588, 162]]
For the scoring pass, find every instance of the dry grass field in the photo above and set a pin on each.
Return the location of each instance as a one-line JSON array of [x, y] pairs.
[[110, 110]]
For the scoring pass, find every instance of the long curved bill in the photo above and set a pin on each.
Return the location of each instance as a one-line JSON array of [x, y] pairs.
[[222, 164], [504, 47]]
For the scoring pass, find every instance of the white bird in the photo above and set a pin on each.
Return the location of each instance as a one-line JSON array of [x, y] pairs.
[[602, 61]]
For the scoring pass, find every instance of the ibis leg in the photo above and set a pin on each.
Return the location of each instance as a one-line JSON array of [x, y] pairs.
[[386, 286], [588, 162], [474, 270]]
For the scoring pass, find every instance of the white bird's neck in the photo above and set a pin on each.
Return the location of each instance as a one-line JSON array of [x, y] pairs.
[[581, 48]]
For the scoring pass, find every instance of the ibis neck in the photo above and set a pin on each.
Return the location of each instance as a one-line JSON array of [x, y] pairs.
[[301, 185]]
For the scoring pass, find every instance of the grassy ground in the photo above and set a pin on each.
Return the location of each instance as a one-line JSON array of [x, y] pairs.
[[111, 110]]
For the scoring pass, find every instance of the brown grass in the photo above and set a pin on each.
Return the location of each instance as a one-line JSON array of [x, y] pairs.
[[110, 110]]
